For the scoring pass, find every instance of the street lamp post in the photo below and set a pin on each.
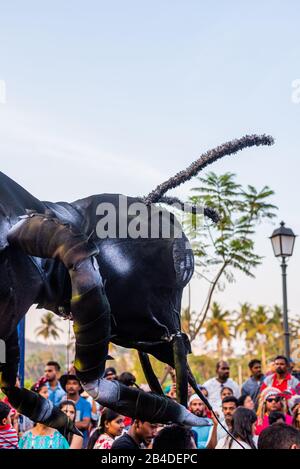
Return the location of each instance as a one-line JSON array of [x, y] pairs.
[[283, 240]]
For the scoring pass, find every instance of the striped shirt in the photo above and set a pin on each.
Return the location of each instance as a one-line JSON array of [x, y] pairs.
[[8, 437]]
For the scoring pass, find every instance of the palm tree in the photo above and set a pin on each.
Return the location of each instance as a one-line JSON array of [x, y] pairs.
[[187, 321], [255, 325], [48, 328], [218, 325], [244, 324], [275, 338]]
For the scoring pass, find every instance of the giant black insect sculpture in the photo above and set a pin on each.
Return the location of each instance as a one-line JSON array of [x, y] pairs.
[[121, 289]]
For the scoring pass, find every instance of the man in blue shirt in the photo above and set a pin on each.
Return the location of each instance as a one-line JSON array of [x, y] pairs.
[[56, 392], [73, 388], [251, 387]]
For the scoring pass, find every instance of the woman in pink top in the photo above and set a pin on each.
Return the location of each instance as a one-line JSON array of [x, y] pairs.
[[270, 400], [111, 426]]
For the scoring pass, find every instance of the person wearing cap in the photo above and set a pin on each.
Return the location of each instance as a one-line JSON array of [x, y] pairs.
[[73, 389], [271, 399], [206, 437]]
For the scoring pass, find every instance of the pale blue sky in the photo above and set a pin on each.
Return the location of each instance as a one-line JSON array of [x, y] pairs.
[[117, 96]]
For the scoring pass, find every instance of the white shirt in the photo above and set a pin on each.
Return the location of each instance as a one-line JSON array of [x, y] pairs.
[[221, 433], [214, 388], [224, 444]]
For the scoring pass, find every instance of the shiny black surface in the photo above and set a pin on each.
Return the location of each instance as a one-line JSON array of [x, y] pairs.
[[143, 278]]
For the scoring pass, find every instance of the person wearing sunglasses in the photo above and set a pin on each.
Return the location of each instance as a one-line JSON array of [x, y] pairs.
[[270, 400]]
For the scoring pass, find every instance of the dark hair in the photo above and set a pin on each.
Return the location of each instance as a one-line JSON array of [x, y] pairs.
[[69, 435], [36, 387], [110, 369], [295, 422], [241, 400], [126, 378], [173, 437], [55, 364], [107, 416], [4, 411], [276, 415], [202, 388], [230, 399], [253, 362], [281, 357], [68, 402], [280, 436], [242, 422], [226, 387]]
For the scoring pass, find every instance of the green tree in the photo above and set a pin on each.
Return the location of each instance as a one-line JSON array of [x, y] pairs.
[[223, 248], [49, 328], [218, 325], [257, 326], [276, 339]]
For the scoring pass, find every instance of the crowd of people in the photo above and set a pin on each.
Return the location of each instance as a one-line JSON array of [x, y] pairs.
[[264, 413]]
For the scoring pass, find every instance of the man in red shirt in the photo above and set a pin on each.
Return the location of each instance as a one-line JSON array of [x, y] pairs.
[[282, 379]]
